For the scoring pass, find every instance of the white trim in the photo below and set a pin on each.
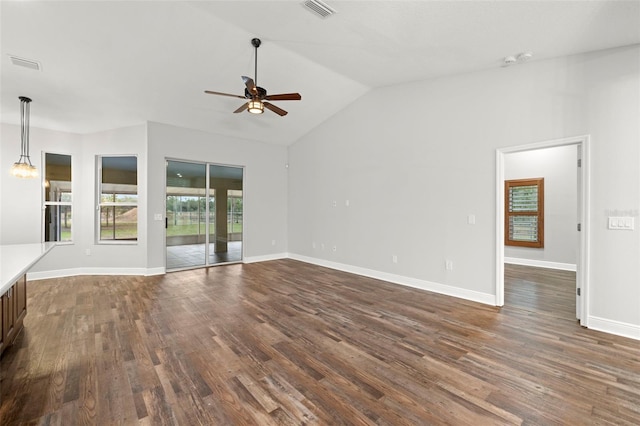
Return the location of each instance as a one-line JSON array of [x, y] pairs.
[[207, 165], [582, 273], [475, 296], [540, 263], [62, 273], [160, 270], [499, 228], [265, 258], [619, 328]]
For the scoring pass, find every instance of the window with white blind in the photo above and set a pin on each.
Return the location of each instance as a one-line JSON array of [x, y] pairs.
[[524, 213]]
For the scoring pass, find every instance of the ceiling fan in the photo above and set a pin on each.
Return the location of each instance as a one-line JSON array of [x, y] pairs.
[[257, 96]]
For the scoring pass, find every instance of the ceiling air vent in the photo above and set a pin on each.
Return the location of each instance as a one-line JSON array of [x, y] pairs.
[[27, 63], [318, 8]]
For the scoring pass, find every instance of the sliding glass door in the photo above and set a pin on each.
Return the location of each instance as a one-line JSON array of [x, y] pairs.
[[225, 183], [203, 214]]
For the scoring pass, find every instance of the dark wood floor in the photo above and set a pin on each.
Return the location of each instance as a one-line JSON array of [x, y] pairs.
[[284, 342], [549, 292]]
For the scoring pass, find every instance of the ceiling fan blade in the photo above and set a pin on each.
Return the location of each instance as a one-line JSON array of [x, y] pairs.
[[223, 94], [275, 109], [242, 108], [251, 85], [284, 97]]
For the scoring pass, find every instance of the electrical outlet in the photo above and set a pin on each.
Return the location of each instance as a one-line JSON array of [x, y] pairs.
[[87, 252], [273, 242], [394, 258], [448, 265], [335, 248]]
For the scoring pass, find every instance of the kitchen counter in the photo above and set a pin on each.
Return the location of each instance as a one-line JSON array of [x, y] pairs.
[[16, 259]]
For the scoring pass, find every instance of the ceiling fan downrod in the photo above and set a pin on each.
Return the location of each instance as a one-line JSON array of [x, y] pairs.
[[255, 42]]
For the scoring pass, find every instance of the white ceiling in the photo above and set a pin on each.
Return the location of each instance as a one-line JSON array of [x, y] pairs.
[[114, 63]]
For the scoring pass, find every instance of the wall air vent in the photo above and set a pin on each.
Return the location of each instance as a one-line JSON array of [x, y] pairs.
[[318, 8], [27, 63]]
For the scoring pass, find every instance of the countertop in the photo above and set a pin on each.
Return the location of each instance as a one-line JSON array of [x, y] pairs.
[[16, 259]]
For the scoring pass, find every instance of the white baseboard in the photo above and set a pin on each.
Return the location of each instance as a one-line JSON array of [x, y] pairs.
[[264, 258], [475, 296], [540, 263], [623, 329], [61, 273]]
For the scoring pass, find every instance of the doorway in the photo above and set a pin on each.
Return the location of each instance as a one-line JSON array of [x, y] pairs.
[[582, 219], [204, 214]]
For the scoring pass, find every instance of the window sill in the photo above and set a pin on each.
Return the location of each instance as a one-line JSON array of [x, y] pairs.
[[117, 243]]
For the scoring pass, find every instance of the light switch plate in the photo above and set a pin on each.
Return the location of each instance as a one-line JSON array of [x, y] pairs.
[[621, 223]]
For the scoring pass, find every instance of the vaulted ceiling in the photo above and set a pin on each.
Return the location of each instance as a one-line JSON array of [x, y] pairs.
[[110, 64]]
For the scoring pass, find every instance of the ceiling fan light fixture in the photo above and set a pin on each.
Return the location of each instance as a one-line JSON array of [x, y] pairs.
[[256, 106], [256, 98]]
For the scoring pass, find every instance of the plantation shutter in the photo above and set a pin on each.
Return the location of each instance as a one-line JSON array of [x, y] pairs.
[[524, 212]]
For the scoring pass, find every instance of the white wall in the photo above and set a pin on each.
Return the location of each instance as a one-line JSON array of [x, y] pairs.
[[265, 186], [22, 223], [414, 160], [21, 199], [558, 167], [265, 189]]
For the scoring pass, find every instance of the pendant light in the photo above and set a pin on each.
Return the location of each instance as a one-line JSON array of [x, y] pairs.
[[23, 168]]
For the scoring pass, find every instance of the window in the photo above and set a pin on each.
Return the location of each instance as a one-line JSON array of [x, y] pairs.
[[118, 207], [57, 197], [524, 213]]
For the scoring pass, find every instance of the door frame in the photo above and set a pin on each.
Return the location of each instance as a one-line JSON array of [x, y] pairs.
[[582, 261], [207, 165]]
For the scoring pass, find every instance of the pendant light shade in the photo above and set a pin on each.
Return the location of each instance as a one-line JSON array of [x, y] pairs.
[[256, 106], [23, 168]]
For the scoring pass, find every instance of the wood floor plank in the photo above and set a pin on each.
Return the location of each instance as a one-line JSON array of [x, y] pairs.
[[289, 343]]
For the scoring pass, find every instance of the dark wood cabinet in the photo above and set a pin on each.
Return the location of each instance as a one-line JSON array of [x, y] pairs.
[[2, 331], [13, 310]]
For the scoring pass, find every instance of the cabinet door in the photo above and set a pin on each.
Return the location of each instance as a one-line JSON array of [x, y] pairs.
[[20, 294], [9, 311], [3, 332]]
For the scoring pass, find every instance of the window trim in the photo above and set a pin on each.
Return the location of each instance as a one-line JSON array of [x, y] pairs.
[[539, 182], [100, 204]]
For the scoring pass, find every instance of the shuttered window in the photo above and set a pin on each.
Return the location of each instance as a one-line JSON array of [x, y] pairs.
[[524, 213]]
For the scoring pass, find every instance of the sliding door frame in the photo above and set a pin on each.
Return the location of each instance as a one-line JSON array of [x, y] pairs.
[[208, 196]]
